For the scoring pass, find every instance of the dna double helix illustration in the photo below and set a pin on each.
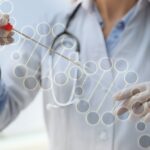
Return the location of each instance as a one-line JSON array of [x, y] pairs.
[[90, 85]]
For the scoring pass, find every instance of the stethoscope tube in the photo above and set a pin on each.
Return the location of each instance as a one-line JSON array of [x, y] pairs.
[[65, 32]]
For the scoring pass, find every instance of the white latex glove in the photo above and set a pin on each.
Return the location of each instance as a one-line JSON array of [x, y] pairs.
[[135, 99], [5, 36]]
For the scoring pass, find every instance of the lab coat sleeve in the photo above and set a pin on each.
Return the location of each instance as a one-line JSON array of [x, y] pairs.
[[21, 80], [3, 96], [19, 96]]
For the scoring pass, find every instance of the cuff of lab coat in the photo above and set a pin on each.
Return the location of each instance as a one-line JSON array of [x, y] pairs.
[[3, 95]]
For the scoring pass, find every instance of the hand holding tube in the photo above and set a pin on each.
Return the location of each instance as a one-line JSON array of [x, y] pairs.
[[5, 30]]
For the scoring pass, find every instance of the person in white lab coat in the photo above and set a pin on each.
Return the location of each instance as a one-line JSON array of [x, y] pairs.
[[84, 107]]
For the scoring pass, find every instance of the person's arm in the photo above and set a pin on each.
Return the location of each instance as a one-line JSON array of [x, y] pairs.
[[15, 97], [4, 38], [20, 81]]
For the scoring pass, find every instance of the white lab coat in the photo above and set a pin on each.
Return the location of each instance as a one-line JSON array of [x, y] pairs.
[[69, 129]]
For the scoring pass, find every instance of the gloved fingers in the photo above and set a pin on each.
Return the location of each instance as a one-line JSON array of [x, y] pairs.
[[146, 118], [140, 97], [6, 41], [11, 34], [140, 109], [5, 34], [121, 110], [4, 19], [129, 92], [134, 104]]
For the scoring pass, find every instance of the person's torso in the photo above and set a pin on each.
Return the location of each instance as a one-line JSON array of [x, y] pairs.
[[88, 123]]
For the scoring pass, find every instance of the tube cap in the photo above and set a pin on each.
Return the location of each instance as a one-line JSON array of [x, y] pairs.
[[7, 27]]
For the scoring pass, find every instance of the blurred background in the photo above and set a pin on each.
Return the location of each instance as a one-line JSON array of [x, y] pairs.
[[28, 131]]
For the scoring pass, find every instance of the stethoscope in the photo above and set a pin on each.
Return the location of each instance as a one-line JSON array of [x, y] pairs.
[[58, 38], [64, 32]]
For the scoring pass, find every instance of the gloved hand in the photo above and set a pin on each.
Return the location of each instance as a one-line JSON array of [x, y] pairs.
[[136, 100], [5, 35]]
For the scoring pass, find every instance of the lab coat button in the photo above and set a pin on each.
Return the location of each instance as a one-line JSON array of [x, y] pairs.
[[121, 25], [103, 135], [102, 24]]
